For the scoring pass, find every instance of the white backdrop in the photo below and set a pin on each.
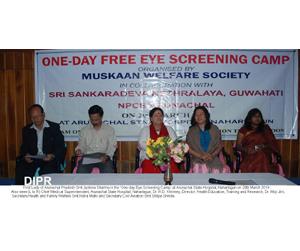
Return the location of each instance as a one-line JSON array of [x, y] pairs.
[[128, 83]]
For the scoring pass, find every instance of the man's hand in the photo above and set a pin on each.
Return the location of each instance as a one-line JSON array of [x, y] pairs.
[[78, 152], [28, 159], [104, 159], [48, 157]]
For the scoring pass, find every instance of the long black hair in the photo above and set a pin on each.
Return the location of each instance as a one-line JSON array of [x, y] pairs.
[[250, 115], [207, 117]]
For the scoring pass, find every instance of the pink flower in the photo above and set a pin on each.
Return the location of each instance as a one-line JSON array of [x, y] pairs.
[[186, 148], [177, 159], [176, 150]]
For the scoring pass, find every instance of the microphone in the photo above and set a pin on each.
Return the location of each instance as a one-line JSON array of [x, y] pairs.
[[221, 182]]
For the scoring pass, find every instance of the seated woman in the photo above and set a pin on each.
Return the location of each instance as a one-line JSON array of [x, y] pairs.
[[256, 142], [204, 140], [155, 130]]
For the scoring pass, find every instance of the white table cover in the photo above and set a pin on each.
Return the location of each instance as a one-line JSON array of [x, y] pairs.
[[157, 179]]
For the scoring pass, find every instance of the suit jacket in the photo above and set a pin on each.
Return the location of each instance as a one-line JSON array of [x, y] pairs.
[[53, 141], [215, 145]]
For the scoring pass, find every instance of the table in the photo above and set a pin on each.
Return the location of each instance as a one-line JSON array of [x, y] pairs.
[[157, 179]]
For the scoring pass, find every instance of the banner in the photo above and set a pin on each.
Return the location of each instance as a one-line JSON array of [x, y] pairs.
[[127, 84]]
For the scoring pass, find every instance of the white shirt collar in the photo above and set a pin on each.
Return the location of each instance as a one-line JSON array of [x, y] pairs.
[[45, 124], [92, 127]]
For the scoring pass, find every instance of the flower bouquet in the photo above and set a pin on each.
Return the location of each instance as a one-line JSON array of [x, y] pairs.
[[164, 148]]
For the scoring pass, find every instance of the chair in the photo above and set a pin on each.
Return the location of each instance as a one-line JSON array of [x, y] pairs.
[[137, 159], [1, 169], [276, 159], [223, 156], [75, 160], [63, 163]]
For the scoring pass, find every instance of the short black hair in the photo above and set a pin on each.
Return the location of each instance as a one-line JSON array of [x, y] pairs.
[[35, 106], [154, 110], [250, 115], [96, 109], [207, 117]]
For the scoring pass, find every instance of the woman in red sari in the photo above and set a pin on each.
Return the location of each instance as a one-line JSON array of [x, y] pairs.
[[155, 130], [256, 141]]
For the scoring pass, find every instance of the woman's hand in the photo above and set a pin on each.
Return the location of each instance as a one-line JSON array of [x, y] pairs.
[[27, 158], [207, 157], [204, 156], [250, 150]]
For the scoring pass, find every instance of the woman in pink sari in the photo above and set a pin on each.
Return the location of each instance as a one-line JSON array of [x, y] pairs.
[[256, 142], [204, 140]]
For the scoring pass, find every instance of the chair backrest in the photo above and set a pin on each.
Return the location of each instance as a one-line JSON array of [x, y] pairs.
[[115, 159], [236, 164], [187, 162], [62, 164], [137, 159], [1, 169]]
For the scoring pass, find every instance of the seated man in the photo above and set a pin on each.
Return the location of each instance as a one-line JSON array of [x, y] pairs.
[[96, 138], [42, 139]]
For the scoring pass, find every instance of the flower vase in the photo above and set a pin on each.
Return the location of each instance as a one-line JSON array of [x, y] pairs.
[[168, 176]]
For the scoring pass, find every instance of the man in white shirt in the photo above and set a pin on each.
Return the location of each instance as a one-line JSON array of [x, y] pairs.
[[96, 138]]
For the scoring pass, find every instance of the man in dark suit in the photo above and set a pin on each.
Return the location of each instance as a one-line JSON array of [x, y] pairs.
[[40, 138]]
